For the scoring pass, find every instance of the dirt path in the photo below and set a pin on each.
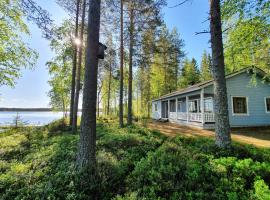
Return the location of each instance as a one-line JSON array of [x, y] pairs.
[[259, 137]]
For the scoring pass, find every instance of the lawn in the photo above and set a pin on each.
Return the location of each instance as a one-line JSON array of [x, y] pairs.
[[133, 163]]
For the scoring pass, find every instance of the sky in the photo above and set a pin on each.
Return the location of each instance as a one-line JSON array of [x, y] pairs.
[[32, 88]]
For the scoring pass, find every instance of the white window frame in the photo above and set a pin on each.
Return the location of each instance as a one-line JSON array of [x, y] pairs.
[[240, 114], [266, 111]]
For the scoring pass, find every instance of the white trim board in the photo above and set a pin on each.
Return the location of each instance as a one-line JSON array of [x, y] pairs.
[[266, 111], [240, 114]]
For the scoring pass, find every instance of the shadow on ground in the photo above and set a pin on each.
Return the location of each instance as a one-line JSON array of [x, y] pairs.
[[259, 136]]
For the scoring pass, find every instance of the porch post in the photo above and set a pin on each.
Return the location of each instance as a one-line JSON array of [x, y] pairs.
[[169, 109], [187, 108], [176, 101], [202, 104]]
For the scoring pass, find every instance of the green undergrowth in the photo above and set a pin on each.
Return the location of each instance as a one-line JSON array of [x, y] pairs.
[[132, 163]]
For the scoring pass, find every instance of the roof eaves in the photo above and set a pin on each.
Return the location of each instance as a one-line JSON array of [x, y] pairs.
[[207, 83]]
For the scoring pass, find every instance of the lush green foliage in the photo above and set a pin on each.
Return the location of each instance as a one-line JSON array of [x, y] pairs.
[[133, 163], [247, 38], [14, 52], [206, 67], [165, 65], [190, 73], [60, 68]]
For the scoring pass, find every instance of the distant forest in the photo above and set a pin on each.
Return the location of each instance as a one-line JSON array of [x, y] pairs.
[[26, 109]]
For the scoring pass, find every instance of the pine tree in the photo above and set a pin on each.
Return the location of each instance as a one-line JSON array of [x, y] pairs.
[[87, 144], [206, 67], [121, 108], [223, 137], [74, 69], [190, 73], [79, 69]]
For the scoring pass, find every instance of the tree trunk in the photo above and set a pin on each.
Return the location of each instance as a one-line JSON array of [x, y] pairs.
[[98, 107], [223, 137], [121, 117], [87, 144], [74, 66], [63, 107], [109, 89], [131, 41], [78, 74]]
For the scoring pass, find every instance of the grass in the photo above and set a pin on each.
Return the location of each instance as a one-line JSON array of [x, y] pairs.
[[133, 163]]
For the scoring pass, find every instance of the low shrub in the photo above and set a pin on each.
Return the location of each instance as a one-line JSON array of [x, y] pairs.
[[174, 171], [58, 126], [132, 163]]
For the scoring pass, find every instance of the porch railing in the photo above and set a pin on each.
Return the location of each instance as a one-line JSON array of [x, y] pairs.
[[193, 117], [182, 116], [173, 115], [209, 117]]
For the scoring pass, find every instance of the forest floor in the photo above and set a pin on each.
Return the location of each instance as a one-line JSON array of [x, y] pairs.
[[132, 163], [259, 137]]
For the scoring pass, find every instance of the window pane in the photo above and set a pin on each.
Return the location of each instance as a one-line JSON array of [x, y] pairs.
[[179, 106], [208, 105], [172, 106], [194, 106], [268, 104], [239, 105]]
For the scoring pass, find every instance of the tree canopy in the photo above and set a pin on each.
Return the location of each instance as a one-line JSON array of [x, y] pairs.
[[14, 52]]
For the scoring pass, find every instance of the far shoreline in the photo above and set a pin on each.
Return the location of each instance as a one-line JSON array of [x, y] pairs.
[[29, 110], [26, 109]]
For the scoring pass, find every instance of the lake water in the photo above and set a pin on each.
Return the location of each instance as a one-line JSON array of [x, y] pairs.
[[32, 118]]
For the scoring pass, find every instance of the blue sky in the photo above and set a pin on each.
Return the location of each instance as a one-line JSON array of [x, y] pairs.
[[31, 89]]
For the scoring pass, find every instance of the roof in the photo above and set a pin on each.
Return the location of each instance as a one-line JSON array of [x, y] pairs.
[[204, 84]]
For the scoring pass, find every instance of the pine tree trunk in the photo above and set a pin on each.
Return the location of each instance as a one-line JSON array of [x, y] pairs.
[[223, 137], [87, 144], [121, 116], [98, 111], [131, 38], [73, 81], [109, 90], [78, 74]]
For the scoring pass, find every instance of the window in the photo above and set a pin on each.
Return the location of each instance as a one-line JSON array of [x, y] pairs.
[[179, 106], [208, 105], [156, 107], [172, 106], [194, 106], [240, 106], [267, 104]]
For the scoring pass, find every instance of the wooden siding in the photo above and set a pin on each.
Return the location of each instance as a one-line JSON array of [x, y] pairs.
[[241, 85], [156, 114]]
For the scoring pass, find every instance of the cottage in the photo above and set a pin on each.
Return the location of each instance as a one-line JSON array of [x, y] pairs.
[[248, 102]]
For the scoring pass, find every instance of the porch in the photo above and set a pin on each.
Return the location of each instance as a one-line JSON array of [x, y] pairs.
[[193, 117], [195, 108]]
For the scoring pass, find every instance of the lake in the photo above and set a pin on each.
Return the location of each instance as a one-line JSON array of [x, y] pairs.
[[32, 118]]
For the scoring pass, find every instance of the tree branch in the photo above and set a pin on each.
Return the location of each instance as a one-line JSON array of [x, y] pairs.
[[179, 4]]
